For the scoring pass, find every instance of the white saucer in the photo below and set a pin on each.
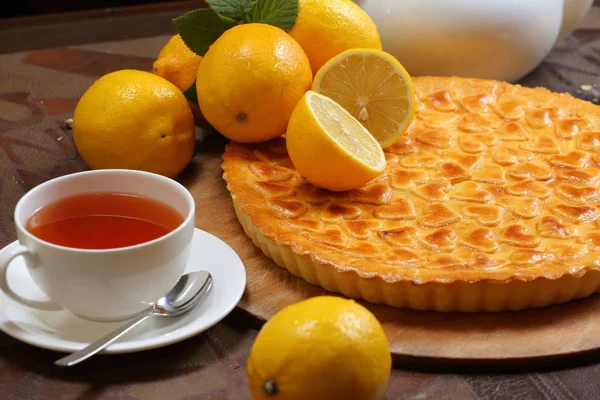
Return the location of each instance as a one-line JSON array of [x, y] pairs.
[[64, 331]]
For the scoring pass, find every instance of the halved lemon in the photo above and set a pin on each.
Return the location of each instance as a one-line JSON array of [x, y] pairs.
[[329, 147], [374, 87]]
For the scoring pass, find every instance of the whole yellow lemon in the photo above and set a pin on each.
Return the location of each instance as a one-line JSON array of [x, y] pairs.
[[250, 80], [325, 28], [323, 348], [134, 120]]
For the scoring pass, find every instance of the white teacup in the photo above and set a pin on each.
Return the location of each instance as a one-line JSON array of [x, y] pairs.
[[102, 284]]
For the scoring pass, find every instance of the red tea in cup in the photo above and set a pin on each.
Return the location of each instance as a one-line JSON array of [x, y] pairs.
[[103, 220]]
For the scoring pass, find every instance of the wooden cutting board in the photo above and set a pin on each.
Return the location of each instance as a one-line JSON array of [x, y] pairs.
[[416, 336]]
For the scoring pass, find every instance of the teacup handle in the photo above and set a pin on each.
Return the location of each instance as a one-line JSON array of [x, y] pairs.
[[5, 260]]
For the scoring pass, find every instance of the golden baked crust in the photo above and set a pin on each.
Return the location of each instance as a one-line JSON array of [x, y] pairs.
[[493, 182]]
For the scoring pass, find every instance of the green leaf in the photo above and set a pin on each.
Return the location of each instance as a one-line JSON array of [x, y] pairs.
[[191, 94], [280, 13], [234, 9], [200, 28]]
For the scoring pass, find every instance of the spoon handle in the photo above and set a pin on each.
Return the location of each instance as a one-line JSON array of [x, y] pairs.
[[96, 346]]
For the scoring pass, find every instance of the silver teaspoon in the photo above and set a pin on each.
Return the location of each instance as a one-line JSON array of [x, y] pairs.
[[185, 294]]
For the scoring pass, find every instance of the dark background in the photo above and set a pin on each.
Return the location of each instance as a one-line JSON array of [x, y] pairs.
[[23, 8]]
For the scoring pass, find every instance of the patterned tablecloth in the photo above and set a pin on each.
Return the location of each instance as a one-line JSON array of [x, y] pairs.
[[40, 88]]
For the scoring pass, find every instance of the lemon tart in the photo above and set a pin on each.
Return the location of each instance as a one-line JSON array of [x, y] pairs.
[[489, 202]]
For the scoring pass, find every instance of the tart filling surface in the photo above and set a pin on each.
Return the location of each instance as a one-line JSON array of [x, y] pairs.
[[494, 184]]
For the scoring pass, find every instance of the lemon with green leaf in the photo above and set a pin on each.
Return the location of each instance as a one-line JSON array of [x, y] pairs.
[[177, 63], [250, 80]]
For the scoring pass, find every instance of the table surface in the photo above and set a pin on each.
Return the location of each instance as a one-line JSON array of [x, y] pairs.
[[39, 89]]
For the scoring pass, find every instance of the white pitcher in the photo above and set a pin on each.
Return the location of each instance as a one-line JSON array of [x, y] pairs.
[[494, 39]]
